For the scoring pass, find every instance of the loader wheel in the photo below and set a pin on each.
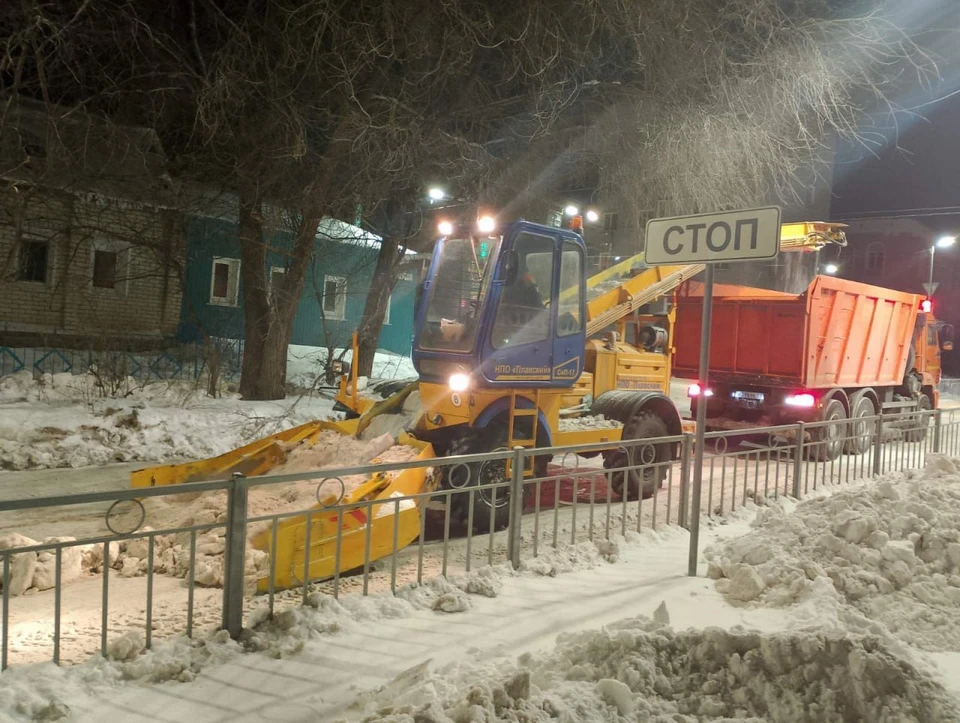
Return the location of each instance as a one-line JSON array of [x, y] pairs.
[[828, 439], [492, 439], [861, 431], [629, 484], [917, 431]]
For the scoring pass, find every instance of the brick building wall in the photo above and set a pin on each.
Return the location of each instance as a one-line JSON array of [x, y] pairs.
[[87, 267]]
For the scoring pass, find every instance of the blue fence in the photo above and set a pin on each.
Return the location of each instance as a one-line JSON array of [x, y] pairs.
[[178, 363]]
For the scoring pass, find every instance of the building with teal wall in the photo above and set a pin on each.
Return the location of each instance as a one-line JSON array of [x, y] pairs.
[[334, 291]]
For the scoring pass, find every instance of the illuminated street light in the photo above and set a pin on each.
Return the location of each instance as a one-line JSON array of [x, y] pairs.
[[436, 194], [486, 224], [593, 216], [831, 269], [944, 242], [445, 228], [571, 210]]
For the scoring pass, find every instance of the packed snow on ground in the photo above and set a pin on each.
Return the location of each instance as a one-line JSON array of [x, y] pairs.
[[306, 363], [882, 557], [641, 670], [63, 420]]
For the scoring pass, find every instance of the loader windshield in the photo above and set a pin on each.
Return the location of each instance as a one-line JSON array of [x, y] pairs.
[[458, 289]]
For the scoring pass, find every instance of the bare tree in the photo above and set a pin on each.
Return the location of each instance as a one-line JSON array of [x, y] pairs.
[[318, 106]]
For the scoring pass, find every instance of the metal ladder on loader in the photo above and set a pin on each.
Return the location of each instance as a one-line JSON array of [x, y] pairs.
[[513, 440]]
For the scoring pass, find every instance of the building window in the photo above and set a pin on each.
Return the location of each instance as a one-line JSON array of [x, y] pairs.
[[386, 314], [105, 269], [334, 297], [34, 260], [875, 257], [277, 275], [225, 281], [611, 222]]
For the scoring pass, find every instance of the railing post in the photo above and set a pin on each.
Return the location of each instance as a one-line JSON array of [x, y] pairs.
[[686, 446], [516, 508], [798, 460], [877, 446], [937, 426], [233, 565]]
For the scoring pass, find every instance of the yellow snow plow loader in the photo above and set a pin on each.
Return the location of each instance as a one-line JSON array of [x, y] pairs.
[[393, 523]]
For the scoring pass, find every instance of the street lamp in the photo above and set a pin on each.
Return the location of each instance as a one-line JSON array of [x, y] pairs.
[[831, 269], [571, 210], [593, 216], [944, 242], [436, 194]]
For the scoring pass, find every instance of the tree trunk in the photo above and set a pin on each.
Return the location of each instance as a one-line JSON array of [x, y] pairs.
[[268, 322], [375, 308]]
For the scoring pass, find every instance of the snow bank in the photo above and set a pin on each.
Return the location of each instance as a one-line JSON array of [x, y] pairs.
[[60, 420], [643, 670], [306, 363], [885, 555], [597, 421]]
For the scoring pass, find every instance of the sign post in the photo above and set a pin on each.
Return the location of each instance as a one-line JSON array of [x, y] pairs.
[[708, 239]]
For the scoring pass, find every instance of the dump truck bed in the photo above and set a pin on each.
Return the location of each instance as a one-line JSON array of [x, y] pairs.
[[837, 333]]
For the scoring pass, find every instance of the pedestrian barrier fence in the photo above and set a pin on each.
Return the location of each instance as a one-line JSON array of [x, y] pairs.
[[487, 512]]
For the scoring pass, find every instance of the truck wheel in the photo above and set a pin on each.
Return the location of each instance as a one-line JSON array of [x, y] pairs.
[[917, 431], [629, 483], [491, 439], [861, 430], [828, 439]]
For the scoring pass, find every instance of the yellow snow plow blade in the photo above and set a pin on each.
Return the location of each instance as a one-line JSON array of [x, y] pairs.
[[395, 525], [250, 460]]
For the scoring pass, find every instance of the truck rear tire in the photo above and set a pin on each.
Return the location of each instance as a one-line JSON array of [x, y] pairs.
[[862, 432], [633, 482], [828, 439], [917, 432]]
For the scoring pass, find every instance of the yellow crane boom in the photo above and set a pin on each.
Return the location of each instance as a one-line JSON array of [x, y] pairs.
[[633, 287]]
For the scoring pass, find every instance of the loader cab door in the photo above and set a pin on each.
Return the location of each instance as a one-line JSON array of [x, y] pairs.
[[536, 337]]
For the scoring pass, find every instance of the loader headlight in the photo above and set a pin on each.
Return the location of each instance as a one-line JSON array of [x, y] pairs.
[[459, 382], [340, 367]]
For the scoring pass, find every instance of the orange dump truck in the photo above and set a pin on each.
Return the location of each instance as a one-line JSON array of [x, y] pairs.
[[840, 350]]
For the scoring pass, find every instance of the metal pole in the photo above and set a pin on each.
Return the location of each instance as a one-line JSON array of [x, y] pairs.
[[514, 539], [236, 544], [937, 427], [933, 250], [685, 447], [798, 461], [705, 323]]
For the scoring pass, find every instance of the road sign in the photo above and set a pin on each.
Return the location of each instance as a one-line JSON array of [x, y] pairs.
[[712, 237], [931, 287]]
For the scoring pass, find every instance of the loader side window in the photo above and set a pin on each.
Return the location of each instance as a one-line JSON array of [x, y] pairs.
[[569, 308], [523, 315]]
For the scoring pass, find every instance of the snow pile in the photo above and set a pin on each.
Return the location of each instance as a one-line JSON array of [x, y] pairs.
[[597, 421], [887, 553], [60, 420], [566, 558], [642, 670], [38, 570], [306, 364]]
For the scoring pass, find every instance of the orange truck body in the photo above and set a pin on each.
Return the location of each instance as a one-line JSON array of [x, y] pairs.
[[837, 333]]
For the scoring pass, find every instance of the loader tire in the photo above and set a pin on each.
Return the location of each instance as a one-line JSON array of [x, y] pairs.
[[646, 480], [491, 507]]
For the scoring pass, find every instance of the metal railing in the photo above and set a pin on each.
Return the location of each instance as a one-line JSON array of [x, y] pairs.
[[490, 513]]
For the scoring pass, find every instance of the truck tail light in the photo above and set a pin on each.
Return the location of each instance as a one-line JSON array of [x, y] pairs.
[[800, 400], [694, 390], [926, 306]]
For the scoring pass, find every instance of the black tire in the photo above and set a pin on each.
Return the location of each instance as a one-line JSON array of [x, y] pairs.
[[828, 440], [917, 432], [647, 480], [861, 433], [490, 439]]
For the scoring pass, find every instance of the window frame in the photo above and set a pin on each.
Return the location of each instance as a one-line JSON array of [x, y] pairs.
[[22, 241], [275, 270], [548, 313], [339, 313], [565, 247], [231, 300], [121, 280]]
